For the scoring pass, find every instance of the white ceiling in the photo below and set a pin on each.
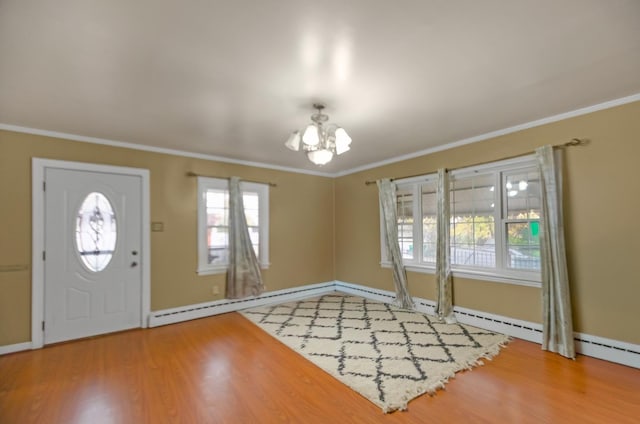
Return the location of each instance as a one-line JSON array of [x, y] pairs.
[[233, 78]]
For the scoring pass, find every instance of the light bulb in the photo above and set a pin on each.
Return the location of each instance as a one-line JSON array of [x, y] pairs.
[[320, 157], [522, 185], [311, 136], [342, 141], [509, 185], [341, 149], [293, 143]]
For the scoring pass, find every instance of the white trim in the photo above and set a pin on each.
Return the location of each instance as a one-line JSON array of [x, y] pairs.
[[222, 184], [364, 291], [18, 347], [146, 247], [95, 140], [37, 247], [500, 273], [153, 149], [608, 349], [510, 326], [38, 226], [503, 279], [207, 309], [597, 347], [513, 327], [469, 274], [493, 134], [222, 269]]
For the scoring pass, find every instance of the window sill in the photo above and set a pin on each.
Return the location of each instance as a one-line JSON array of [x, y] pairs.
[[519, 280], [223, 269], [211, 271]]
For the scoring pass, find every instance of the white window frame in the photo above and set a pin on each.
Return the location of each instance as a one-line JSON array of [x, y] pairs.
[[501, 273], [207, 183]]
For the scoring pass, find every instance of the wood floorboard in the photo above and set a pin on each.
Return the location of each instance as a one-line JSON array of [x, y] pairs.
[[224, 369]]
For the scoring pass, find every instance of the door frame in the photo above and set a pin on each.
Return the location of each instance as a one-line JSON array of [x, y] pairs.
[[38, 167]]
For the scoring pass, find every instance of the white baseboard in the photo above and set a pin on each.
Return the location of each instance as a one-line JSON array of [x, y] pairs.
[[201, 310], [510, 326], [15, 348], [608, 349], [513, 327], [364, 291], [586, 344]]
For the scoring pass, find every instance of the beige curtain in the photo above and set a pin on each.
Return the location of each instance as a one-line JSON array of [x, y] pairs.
[[243, 275], [557, 327], [444, 304], [387, 195]]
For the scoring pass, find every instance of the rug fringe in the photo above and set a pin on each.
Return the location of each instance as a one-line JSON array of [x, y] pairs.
[[420, 390], [431, 390], [400, 391], [488, 355]]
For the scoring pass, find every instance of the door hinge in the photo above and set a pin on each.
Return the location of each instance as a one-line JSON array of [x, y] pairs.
[[44, 255], [44, 186], [42, 325]]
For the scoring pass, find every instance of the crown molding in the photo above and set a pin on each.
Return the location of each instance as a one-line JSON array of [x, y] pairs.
[[175, 152], [493, 134], [454, 144]]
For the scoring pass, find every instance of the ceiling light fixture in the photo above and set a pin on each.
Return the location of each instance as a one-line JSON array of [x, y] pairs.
[[319, 140]]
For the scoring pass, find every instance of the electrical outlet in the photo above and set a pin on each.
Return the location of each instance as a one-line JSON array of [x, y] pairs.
[[215, 290]]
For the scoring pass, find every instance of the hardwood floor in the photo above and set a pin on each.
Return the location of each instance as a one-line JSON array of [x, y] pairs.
[[225, 370]]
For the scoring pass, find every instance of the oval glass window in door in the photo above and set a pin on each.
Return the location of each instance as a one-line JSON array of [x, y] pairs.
[[96, 232]]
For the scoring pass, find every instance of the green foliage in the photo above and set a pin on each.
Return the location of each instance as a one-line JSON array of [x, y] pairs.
[[472, 229]]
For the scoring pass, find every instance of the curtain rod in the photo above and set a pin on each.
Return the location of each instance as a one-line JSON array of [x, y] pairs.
[[573, 142], [193, 174]]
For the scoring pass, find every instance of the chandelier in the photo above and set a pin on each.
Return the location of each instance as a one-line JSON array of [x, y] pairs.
[[319, 140]]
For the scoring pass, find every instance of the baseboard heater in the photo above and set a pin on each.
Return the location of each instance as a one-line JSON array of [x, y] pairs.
[[201, 310], [586, 344]]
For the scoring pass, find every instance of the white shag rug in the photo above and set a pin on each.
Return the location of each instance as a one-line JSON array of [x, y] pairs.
[[388, 355]]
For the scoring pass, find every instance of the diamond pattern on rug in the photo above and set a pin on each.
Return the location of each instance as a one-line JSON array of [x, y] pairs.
[[388, 355]]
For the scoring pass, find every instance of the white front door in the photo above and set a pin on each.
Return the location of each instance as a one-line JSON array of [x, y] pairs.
[[92, 258]]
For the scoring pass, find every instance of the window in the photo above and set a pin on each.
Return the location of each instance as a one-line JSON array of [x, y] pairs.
[[428, 191], [213, 223], [405, 223], [472, 226], [96, 232], [522, 219], [494, 222]]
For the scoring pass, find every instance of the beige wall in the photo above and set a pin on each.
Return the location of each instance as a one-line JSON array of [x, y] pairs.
[[602, 200], [299, 253]]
